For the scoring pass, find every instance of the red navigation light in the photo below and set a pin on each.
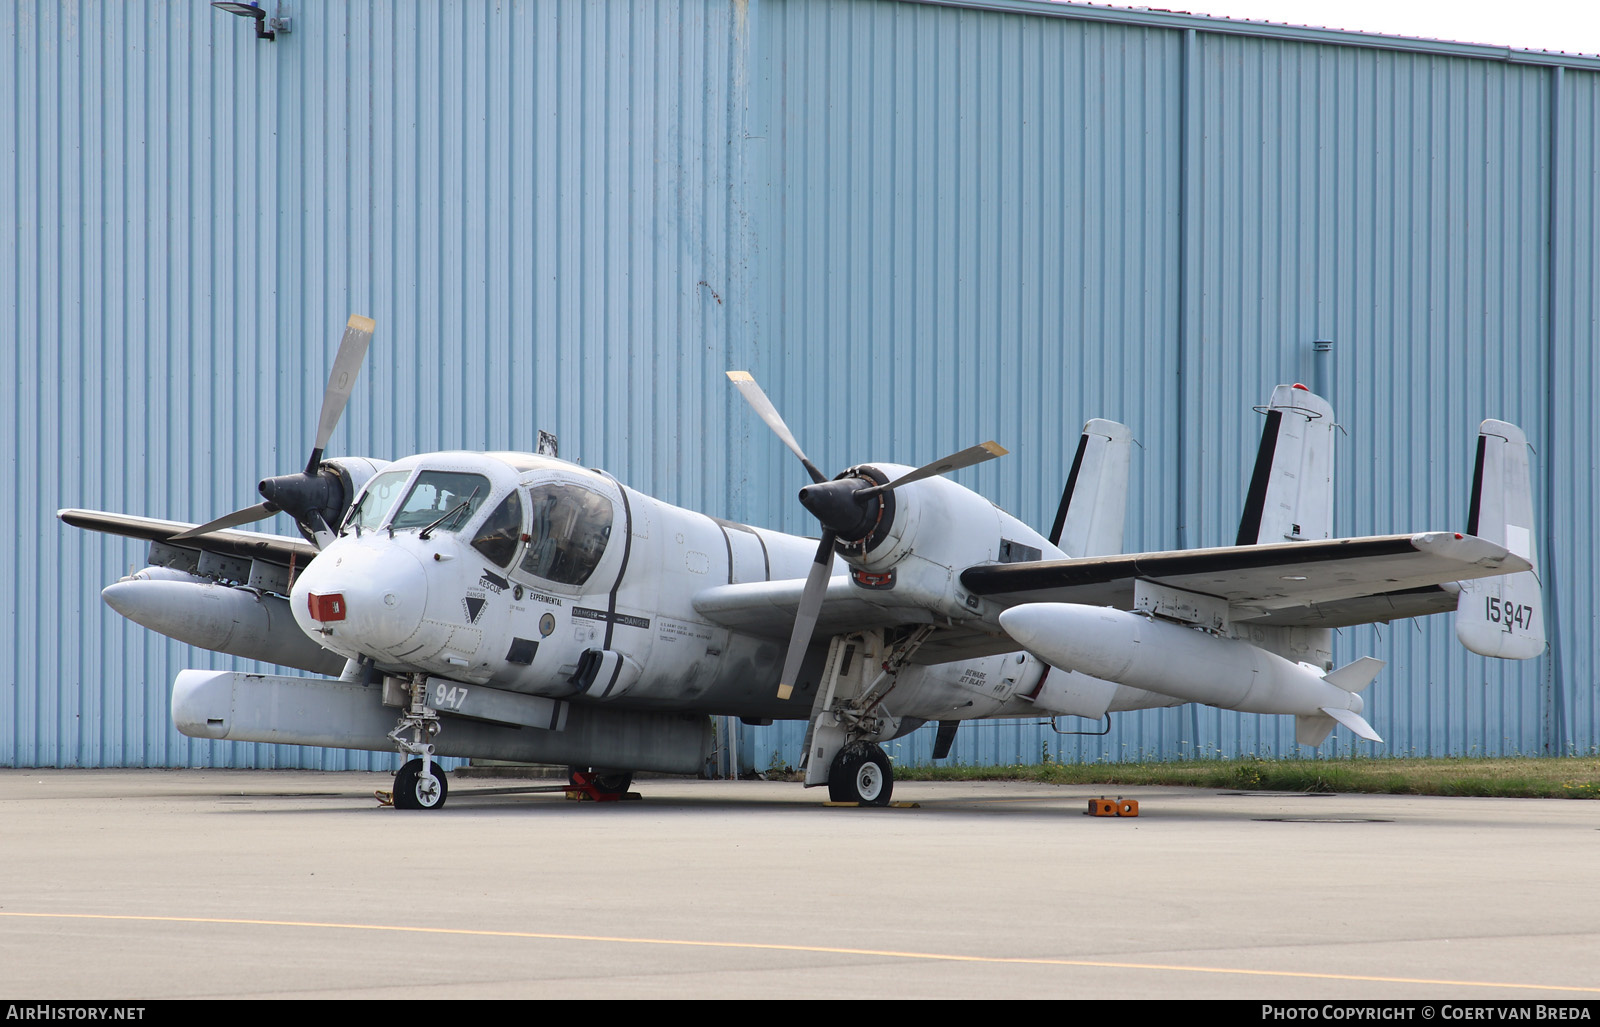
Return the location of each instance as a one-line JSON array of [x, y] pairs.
[[326, 608], [1302, 388]]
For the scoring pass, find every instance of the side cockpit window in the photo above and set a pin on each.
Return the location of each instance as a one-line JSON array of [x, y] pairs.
[[568, 535], [498, 536]]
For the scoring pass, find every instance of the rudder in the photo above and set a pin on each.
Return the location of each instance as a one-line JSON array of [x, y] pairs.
[[1094, 507], [1291, 490]]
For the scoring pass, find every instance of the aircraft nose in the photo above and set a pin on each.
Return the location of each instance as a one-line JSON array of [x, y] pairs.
[[362, 596]]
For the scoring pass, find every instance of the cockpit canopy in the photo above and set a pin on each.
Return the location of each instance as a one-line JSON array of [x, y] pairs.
[[560, 529], [571, 526]]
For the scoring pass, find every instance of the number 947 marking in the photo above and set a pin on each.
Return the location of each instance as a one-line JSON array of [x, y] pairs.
[[448, 697], [1508, 614]]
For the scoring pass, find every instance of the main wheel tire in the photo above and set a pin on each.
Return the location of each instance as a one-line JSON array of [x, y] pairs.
[[861, 773], [411, 791], [617, 781]]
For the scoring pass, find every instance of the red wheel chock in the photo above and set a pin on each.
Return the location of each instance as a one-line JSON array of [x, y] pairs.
[[583, 789]]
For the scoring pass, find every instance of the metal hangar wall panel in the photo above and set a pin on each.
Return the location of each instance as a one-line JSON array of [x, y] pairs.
[[535, 202]]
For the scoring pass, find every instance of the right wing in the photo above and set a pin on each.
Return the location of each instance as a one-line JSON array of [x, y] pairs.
[[1325, 584], [243, 545]]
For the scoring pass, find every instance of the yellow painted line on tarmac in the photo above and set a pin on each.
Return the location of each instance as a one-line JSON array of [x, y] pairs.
[[822, 949]]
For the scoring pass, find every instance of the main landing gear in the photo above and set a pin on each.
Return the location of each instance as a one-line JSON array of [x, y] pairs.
[[861, 773], [849, 716]]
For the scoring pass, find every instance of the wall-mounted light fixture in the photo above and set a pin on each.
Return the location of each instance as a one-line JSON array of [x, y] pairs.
[[253, 10]]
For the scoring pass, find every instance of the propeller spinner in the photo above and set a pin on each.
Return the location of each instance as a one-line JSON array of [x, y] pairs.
[[847, 509], [307, 495]]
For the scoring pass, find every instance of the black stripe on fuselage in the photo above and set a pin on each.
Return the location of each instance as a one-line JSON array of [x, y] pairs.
[[627, 550]]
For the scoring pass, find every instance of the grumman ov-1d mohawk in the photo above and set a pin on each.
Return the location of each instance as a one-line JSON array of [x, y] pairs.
[[514, 606]]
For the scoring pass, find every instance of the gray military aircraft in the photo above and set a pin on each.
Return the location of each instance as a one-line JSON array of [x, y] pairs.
[[515, 606]]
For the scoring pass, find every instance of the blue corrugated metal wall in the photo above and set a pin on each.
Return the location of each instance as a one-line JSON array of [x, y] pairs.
[[534, 201], [921, 225]]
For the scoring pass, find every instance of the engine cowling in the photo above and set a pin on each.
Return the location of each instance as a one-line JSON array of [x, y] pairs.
[[328, 493], [916, 539]]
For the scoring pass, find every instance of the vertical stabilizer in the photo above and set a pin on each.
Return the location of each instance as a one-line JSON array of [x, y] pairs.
[[1291, 492], [1503, 616], [1094, 506]]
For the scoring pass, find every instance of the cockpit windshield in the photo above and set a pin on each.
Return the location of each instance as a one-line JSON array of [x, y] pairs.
[[441, 501], [379, 495]]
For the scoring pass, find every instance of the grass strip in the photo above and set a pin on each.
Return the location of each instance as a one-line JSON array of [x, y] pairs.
[[1567, 777]]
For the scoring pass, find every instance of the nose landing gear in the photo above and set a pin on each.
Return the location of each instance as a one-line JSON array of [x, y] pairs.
[[420, 784]]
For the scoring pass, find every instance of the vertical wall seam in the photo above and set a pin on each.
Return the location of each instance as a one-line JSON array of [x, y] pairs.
[[1186, 258], [1555, 732]]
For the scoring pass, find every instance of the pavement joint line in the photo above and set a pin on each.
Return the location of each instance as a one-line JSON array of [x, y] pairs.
[[823, 949]]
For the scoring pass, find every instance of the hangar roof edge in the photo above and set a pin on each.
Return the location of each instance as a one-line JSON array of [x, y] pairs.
[[1182, 20]]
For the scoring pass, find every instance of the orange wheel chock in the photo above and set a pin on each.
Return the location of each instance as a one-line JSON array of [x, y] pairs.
[[1119, 807]]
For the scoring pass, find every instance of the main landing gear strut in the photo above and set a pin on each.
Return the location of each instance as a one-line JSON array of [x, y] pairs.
[[849, 717]]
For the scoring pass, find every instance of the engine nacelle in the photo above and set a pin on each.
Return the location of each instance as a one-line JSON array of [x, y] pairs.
[[917, 539]]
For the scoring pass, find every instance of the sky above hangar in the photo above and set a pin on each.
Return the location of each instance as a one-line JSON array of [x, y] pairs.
[[1572, 26]]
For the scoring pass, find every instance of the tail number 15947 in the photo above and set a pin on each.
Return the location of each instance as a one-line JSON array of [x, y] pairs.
[[1508, 614]]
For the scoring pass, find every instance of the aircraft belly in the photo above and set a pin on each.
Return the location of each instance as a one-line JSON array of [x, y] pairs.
[[321, 711]]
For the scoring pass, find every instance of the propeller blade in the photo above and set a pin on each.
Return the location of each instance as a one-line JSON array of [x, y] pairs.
[[805, 618], [341, 381], [954, 462], [764, 409], [259, 512]]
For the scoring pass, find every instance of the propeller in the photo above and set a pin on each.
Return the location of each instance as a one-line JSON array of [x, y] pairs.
[[306, 495], [849, 507]]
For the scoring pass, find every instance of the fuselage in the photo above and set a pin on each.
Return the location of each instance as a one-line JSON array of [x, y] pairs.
[[533, 575]]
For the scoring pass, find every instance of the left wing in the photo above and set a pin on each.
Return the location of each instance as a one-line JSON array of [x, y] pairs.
[[1324, 584]]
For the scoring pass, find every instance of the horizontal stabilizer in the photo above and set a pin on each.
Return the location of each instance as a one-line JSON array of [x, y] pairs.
[[1354, 721], [1353, 677]]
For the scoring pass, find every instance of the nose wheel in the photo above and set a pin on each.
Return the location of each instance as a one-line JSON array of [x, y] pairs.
[[415, 788]]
